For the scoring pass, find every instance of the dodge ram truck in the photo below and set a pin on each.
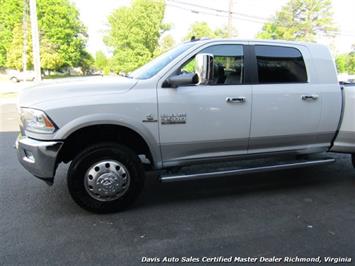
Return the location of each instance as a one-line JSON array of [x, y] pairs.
[[202, 103]]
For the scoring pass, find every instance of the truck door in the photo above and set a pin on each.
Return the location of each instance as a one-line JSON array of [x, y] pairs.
[[286, 107], [207, 121]]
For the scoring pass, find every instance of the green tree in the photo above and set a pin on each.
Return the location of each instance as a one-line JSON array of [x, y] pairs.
[[50, 57], [134, 33], [62, 35], [199, 30], [86, 63], [60, 26], [15, 50], [166, 43], [341, 63], [202, 29], [223, 32], [300, 20], [346, 63], [351, 63], [101, 60], [11, 12]]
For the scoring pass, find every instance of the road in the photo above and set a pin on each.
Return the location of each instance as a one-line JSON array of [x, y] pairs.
[[304, 212]]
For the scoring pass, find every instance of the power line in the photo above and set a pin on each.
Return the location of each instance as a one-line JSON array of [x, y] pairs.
[[194, 8], [212, 14], [238, 14]]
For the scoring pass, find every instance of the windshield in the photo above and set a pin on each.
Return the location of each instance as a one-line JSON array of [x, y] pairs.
[[153, 67]]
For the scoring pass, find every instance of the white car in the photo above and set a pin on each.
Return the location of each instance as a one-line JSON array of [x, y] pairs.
[[17, 76], [204, 101]]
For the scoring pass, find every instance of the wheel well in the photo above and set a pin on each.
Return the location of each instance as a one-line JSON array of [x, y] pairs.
[[90, 135]]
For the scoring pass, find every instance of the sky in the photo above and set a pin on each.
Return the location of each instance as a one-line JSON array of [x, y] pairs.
[[94, 15]]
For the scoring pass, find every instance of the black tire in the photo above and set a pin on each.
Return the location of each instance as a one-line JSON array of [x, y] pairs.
[[353, 159], [96, 153]]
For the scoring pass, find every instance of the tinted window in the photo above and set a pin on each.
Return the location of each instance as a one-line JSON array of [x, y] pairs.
[[228, 64], [280, 65]]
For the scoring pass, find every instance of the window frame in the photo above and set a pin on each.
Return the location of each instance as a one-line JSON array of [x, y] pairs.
[[247, 80], [255, 63]]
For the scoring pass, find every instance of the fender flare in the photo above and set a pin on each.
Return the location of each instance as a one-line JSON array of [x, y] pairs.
[[112, 119]]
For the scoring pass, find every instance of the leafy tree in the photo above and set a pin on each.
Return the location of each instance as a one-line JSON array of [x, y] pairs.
[[165, 44], [300, 20], [62, 35], [50, 57], [60, 25], [86, 62], [15, 50], [202, 29], [134, 33], [341, 63], [199, 30], [223, 32], [351, 64], [346, 63], [101, 61], [11, 12]]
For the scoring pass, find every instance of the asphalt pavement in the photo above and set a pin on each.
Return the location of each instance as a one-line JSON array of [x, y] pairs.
[[305, 212]]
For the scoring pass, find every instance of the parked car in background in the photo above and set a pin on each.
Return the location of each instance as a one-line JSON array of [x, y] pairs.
[[17, 76], [346, 78]]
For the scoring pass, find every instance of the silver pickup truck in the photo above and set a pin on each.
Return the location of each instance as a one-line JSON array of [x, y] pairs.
[[205, 101]]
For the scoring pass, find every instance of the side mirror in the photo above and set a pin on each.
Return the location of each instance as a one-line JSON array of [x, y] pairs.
[[181, 80], [204, 68]]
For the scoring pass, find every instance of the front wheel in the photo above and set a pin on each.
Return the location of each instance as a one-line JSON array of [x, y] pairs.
[[105, 178], [14, 79]]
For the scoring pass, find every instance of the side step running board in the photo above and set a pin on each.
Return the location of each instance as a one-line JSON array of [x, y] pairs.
[[241, 171]]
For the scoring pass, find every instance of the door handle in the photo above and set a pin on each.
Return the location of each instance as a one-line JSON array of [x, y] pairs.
[[310, 97], [236, 99]]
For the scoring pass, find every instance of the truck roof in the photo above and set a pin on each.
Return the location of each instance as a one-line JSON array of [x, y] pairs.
[[208, 40]]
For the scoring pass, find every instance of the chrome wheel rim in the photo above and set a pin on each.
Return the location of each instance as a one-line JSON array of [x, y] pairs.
[[107, 180]]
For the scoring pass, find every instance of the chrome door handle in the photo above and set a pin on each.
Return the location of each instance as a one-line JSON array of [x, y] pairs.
[[310, 97], [236, 99]]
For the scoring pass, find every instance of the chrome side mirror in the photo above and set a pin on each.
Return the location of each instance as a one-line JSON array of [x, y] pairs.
[[204, 68]]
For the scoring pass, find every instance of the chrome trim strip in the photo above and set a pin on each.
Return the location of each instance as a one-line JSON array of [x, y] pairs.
[[246, 170], [290, 140], [180, 152], [240, 157], [197, 149]]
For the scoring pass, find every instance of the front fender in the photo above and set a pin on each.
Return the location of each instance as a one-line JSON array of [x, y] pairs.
[[112, 119]]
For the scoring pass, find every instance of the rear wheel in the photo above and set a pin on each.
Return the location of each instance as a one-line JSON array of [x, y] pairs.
[[105, 178]]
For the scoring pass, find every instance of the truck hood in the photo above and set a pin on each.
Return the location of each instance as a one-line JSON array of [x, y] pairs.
[[61, 89]]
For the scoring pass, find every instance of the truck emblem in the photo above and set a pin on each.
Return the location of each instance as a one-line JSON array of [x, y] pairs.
[[149, 118], [178, 118]]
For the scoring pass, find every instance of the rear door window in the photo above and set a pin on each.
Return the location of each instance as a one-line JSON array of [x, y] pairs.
[[280, 65]]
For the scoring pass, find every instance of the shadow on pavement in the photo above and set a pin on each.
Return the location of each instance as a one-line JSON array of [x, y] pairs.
[[157, 194]]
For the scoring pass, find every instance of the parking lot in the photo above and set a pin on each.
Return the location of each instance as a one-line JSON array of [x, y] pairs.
[[304, 212]]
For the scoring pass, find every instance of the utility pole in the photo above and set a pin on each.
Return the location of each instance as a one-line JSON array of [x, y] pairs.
[[230, 18], [35, 40], [24, 51]]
